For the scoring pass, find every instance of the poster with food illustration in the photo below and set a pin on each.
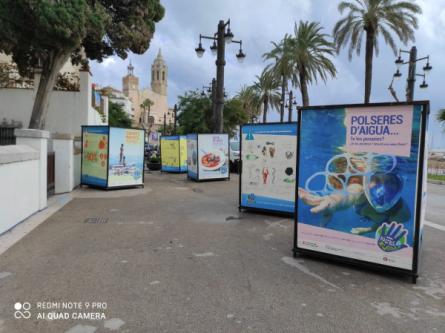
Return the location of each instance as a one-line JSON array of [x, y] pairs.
[[269, 155], [126, 160], [213, 156], [358, 178], [192, 156], [174, 153], [94, 155]]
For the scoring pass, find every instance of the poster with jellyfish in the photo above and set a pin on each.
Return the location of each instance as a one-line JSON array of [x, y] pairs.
[[357, 182], [268, 155]]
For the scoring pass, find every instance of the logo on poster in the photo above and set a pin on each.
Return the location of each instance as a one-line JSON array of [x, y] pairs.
[[217, 140], [251, 198], [391, 237]]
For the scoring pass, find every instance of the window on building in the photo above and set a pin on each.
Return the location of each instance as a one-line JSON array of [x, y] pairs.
[[157, 75], [163, 76]]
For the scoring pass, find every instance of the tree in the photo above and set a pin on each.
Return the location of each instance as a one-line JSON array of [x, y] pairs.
[[441, 116], [372, 18], [311, 51], [195, 114], [48, 33], [266, 87], [117, 117], [250, 102], [283, 66], [234, 116], [146, 106]]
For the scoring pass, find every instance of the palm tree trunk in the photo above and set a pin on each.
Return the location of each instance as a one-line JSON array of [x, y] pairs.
[[303, 87], [50, 70], [265, 103], [368, 64], [283, 97]]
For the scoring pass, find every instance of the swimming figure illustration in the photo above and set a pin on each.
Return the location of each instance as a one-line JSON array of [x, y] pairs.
[[366, 182]]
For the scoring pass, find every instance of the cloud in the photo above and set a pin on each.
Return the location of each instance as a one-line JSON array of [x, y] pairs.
[[258, 23], [108, 62]]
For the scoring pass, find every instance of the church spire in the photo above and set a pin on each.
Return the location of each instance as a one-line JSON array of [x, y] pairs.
[[159, 75], [130, 69]]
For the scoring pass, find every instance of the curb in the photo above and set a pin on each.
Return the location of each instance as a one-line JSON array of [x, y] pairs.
[[437, 182]]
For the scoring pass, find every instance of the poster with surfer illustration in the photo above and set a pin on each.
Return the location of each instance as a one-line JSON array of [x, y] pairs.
[[126, 160], [112, 157], [268, 155], [359, 184], [213, 156]]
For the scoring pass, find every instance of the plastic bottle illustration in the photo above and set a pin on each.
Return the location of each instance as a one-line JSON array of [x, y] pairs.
[[274, 171], [265, 175]]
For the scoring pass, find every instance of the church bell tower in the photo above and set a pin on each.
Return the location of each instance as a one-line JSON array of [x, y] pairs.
[[159, 75]]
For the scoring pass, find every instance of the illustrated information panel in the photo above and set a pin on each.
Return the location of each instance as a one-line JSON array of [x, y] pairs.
[[268, 154], [213, 156], [358, 182], [126, 161], [95, 155], [192, 156], [174, 153]]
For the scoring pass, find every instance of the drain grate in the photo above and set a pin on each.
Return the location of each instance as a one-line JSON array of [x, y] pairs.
[[96, 220], [198, 190]]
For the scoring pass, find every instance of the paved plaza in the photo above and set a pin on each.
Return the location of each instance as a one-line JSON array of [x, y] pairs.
[[177, 256]]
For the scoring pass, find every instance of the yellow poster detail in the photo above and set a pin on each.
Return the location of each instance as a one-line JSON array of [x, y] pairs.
[[133, 136], [183, 150], [170, 153]]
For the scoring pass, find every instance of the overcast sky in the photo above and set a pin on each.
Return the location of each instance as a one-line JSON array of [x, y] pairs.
[[258, 23]]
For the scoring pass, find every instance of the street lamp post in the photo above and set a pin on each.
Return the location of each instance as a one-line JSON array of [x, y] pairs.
[[220, 38], [175, 113], [165, 123], [212, 92], [411, 79]]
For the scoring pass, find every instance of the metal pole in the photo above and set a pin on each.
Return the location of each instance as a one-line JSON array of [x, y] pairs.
[[291, 95], [213, 87], [283, 98], [165, 123], [411, 74], [220, 63], [175, 111]]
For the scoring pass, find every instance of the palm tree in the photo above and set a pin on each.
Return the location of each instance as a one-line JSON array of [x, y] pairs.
[[372, 18], [250, 101], [283, 67], [311, 51], [146, 106], [266, 87]]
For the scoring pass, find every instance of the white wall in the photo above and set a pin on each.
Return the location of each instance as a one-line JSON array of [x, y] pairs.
[[19, 190], [68, 110]]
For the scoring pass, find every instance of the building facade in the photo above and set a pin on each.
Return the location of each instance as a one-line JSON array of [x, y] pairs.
[[118, 97], [150, 106]]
